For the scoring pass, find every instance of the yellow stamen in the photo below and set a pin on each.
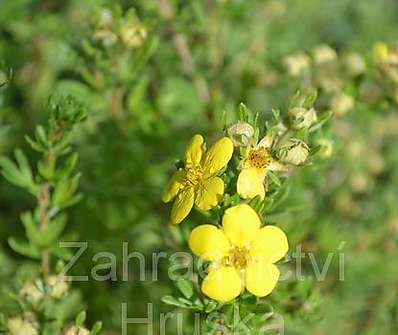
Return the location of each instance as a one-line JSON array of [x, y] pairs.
[[238, 257], [194, 175]]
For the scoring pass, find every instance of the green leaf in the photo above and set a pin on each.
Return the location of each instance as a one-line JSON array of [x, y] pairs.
[[243, 112], [64, 192], [35, 145], [80, 318], [185, 287], [23, 163], [321, 120], [274, 178], [24, 248], [310, 100], [96, 328], [43, 238], [169, 300], [68, 166]]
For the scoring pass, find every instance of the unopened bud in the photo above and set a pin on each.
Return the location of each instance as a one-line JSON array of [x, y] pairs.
[[301, 117], [324, 54], [294, 152], [240, 133], [57, 285], [326, 145], [23, 325], [133, 34], [342, 103], [354, 63], [296, 64], [75, 330], [31, 292]]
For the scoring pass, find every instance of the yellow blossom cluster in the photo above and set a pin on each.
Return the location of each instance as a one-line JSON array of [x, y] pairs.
[[242, 251]]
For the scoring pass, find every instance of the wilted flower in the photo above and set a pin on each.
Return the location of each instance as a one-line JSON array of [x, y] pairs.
[[240, 133], [242, 254], [57, 285], [197, 182], [25, 325], [294, 152], [296, 64], [31, 292], [301, 117], [324, 54], [75, 330], [342, 103]]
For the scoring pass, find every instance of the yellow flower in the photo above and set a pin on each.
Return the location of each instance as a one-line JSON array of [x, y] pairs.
[[380, 52], [197, 182], [242, 254], [254, 167]]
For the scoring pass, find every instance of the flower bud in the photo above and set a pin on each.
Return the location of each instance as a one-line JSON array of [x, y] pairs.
[[294, 152], [106, 37], [324, 54], [301, 117], [342, 103], [57, 285], [31, 292], [326, 150], [26, 325], [240, 133], [75, 330], [296, 64], [133, 34], [354, 63]]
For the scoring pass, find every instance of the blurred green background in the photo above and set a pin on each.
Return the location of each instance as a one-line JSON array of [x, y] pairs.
[[151, 85]]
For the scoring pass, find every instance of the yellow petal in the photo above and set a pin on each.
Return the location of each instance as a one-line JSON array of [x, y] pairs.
[[209, 193], [241, 224], [222, 284], [194, 151], [270, 244], [208, 242], [251, 183], [175, 185], [218, 156], [182, 205], [261, 278]]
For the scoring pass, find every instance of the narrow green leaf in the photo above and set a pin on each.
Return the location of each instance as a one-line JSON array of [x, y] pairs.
[[24, 248], [80, 318], [185, 287]]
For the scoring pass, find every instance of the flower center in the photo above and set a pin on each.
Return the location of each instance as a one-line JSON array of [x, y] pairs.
[[238, 257], [259, 158], [194, 175]]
